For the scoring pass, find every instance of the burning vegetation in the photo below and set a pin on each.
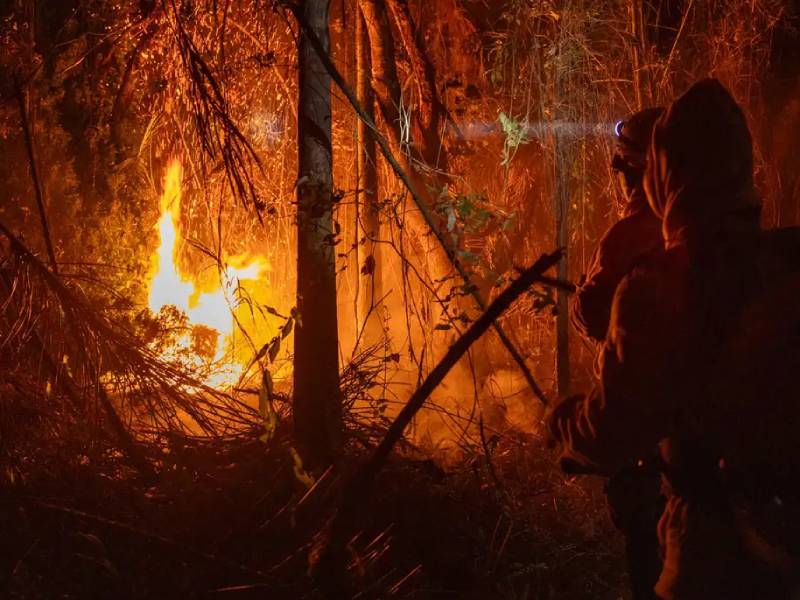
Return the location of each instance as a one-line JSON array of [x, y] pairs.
[[285, 285], [212, 315]]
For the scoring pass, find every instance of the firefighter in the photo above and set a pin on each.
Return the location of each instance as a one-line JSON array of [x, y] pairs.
[[634, 495], [628, 241], [692, 331]]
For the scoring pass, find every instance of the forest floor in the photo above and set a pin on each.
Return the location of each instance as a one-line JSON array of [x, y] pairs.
[[232, 520]]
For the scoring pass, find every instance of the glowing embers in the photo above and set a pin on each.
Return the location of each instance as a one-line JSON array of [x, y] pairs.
[[201, 328]]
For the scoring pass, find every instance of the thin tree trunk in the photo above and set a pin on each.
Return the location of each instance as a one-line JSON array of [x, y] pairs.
[[417, 155], [386, 86], [562, 167], [633, 23], [642, 83], [27, 130], [317, 397], [370, 285], [562, 162]]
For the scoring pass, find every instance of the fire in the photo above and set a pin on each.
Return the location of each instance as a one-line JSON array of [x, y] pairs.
[[215, 308]]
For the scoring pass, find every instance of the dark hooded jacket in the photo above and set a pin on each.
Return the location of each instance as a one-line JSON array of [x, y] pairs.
[[674, 324], [626, 243]]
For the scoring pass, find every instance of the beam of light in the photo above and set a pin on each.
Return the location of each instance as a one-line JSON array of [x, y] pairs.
[[477, 130]]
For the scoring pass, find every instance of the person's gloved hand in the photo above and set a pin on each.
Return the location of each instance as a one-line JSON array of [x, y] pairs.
[[555, 415]]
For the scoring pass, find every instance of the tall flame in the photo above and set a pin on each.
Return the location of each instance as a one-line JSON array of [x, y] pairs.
[[214, 309], [167, 286]]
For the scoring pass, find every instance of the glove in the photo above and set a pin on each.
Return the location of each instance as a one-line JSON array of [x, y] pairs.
[[556, 415]]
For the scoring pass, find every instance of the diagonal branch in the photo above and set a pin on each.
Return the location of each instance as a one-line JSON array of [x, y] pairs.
[[499, 305], [37, 187]]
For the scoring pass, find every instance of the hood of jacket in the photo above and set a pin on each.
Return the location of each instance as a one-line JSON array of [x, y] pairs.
[[700, 165]]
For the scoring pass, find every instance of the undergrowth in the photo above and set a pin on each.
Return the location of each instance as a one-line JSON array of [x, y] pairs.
[[231, 519]]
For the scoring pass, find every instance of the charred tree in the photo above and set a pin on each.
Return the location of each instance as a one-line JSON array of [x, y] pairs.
[[370, 289], [419, 158], [317, 397]]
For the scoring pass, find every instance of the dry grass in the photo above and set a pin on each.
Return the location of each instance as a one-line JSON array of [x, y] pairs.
[[231, 519]]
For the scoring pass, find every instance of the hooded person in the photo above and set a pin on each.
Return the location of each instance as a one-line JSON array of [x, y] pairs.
[[634, 496], [673, 322], [629, 240]]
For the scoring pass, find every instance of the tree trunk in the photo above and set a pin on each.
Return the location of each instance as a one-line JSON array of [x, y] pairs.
[[370, 289], [562, 164], [642, 84], [317, 397]]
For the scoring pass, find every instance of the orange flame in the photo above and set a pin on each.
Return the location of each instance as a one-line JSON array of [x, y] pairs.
[[214, 309]]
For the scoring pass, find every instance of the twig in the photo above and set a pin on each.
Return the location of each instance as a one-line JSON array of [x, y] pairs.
[[456, 351], [487, 453]]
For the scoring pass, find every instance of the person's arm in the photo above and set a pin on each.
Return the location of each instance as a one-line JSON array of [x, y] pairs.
[[591, 304], [631, 409], [620, 249]]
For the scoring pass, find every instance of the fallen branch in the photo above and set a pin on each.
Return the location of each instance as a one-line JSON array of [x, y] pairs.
[[330, 563], [423, 208]]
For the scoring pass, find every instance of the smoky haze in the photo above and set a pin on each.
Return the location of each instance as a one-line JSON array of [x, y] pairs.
[[476, 130]]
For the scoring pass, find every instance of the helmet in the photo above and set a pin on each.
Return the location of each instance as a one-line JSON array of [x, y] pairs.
[[633, 138]]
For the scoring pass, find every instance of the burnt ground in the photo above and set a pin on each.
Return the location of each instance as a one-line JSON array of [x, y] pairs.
[[232, 520]]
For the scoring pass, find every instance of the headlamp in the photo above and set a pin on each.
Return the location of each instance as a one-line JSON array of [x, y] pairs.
[[618, 128]]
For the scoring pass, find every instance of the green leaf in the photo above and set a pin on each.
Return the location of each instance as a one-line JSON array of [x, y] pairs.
[[287, 329], [275, 347], [516, 136], [261, 352]]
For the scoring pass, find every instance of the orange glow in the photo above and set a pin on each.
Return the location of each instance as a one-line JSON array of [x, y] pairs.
[[213, 308]]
